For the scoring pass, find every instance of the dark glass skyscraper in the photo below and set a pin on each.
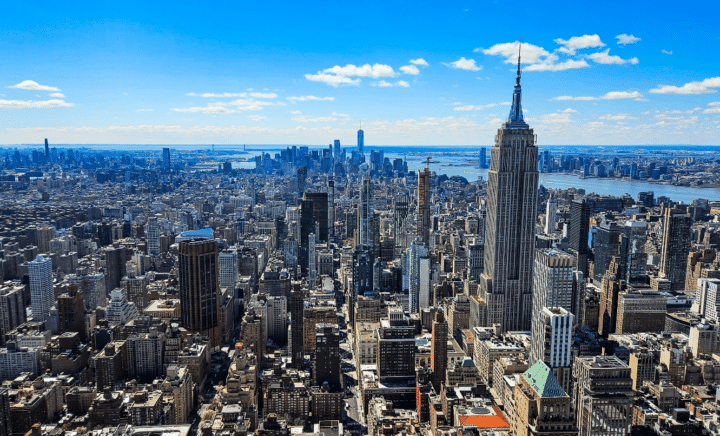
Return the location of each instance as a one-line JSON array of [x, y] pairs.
[[200, 288], [361, 141], [506, 284], [579, 230]]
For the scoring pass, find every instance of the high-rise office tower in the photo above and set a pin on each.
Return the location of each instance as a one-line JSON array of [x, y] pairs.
[[312, 261], [166, 159], [606, 243], [418, 276], [327, 356], [395, 341], [297, 304], [579, 231], [361, 141], [438, 350], [47, 151], [71, 312], [506, 284], [320, 212], [307, 226], [550, 216], [200, 288], [482, 158], [402, 205], [12, 309], [675, 247], [153, 237], [552, 343], [301, 180], [331, 208], [228, 268], [423, 218], [632, 252], [602, 395], [366, 214], [337, 149], [553, 280], [42, 296], [277, 319]]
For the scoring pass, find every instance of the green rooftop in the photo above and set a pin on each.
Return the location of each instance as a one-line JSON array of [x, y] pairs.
[[543, 381]]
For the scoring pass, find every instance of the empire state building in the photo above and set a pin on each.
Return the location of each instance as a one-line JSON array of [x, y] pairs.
[[506, 283]]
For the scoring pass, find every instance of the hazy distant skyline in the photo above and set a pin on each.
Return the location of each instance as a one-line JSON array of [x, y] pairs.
[[307, 73]]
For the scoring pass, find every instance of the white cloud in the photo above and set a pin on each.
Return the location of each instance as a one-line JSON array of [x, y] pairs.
[[367, 70], [57, 95], [616, 117], [620, 95], [471, 107], [386, 84], [218, 95], [714, 108], [612, 95], [531, 54], [410, 69], [550, 65], [143, 110], [556, 118], [27, 104], [568, 111], [335, 114], [210, 109], [304, 119], [33, 86], [257, 117], [464, 64], [310, 98], [332, 79], [625, 39], [227, 107], [667, 52], [419, 61], [604, 57], [295, 112], [578, 43], [263, 95], [691, 88]]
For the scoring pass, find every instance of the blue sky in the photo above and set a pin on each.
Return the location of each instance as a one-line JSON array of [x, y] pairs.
[[414, 73]]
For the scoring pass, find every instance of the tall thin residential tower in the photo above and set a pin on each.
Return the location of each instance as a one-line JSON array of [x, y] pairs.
[[506, 283], [423, 218]]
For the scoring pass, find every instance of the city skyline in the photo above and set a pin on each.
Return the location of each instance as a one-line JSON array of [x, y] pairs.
[[290, 74]]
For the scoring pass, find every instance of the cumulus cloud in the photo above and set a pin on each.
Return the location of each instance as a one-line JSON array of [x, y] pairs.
[[386, 84], [570, 46], [691, 88], [218, 95], [531, 54], [470, 107], [625, 39], [33, 86], [263, 95], [612, 95], [367, 70], [464, 64], [304, 119], [419, 61], [310, 98], [29, 104], [57, 95], [616, 117], [713, 108], [410, 69], [332, 79], [604, 57], [551, 64], [257, 117], [227, 107], [556, 118]]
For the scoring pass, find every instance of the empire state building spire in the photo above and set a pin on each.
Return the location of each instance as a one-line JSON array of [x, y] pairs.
[[515, 120]]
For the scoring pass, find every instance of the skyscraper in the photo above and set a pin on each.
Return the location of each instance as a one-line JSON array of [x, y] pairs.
[[438, 350], [296, 325], [47, 151], [506, 284], [42, 296], [418, 276], [320, 212], [423, 218], [200, 288], [675, 247], [327, 356], [361, 141], [482, 158], [366, 213], [553, 341], [550, 216], [331, 208], [153, 237], [579, 230], [166, 159], [337, 149]]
